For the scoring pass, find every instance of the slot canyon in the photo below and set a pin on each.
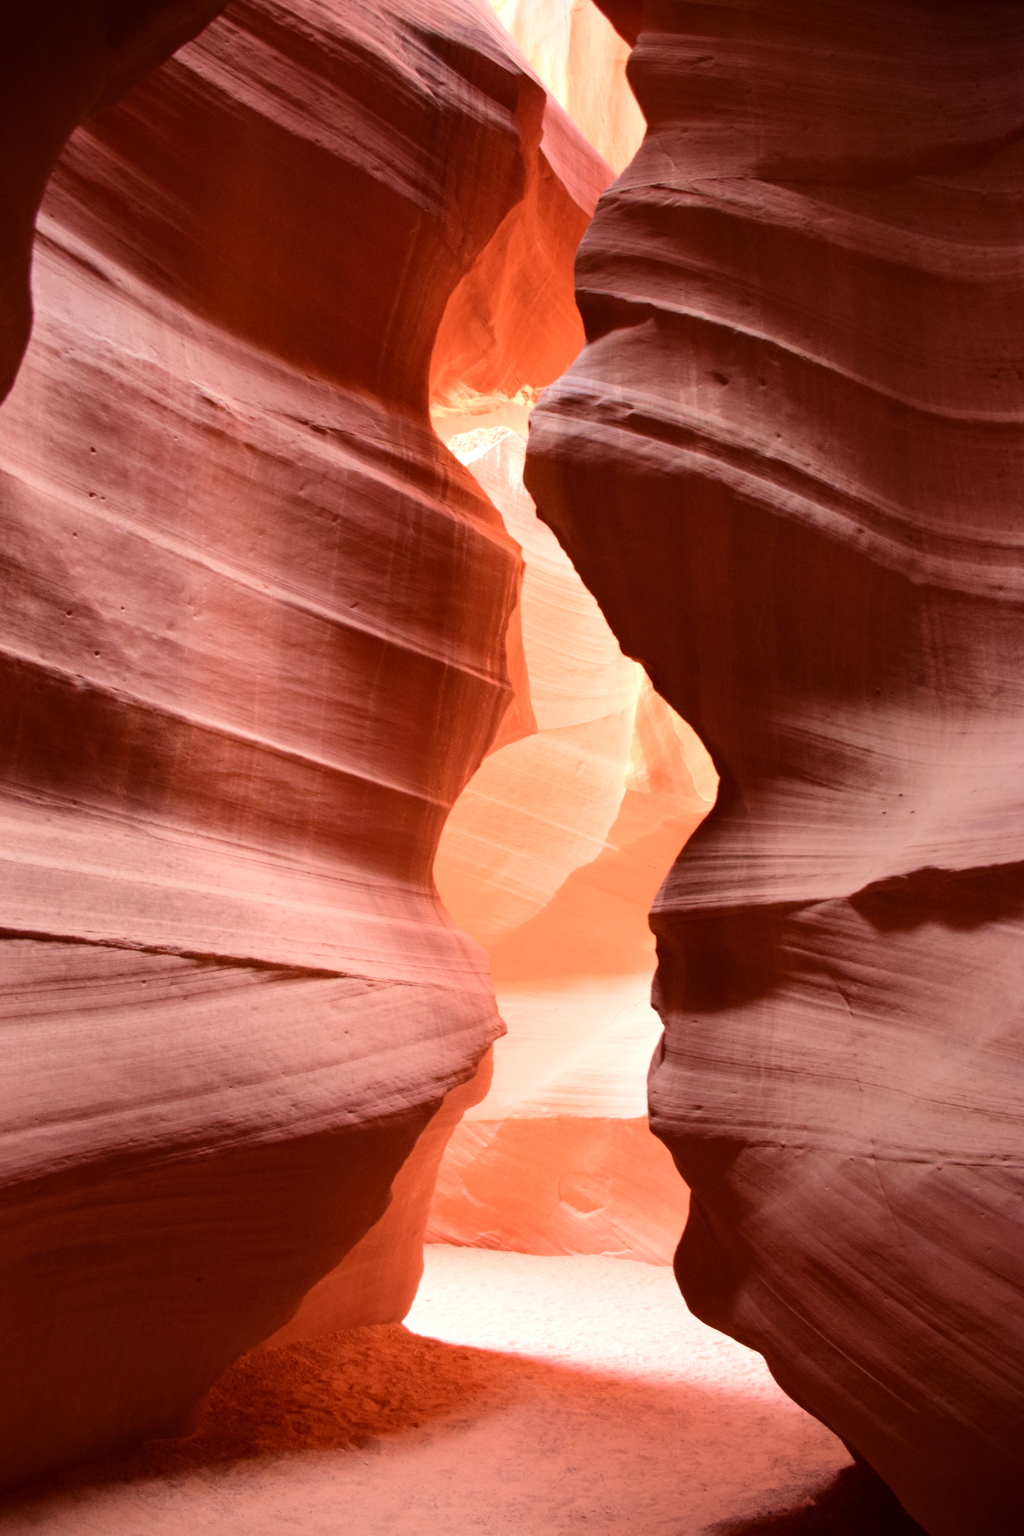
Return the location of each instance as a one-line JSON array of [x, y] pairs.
[[512, 767]]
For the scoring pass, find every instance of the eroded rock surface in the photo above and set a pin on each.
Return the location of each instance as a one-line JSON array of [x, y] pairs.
[[253, 645], [59, 61], [789, 466]]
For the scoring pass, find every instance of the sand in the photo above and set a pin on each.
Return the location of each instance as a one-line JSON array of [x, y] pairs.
[[525, 1395]]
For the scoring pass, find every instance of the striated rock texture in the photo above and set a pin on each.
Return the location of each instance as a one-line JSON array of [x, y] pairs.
[[377, 1280], [253, 645], [789, 466], [59, 61]]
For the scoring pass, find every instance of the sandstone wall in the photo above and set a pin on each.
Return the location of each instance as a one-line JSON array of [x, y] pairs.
[[60, 60], [253, 645], [788, 464], [558, 843]]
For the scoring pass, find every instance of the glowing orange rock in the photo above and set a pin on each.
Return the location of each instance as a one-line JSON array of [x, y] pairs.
[[551, 858]]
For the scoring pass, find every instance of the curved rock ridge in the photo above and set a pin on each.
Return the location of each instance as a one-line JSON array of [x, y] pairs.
[[788, 464], [61, 60], [253, 646]]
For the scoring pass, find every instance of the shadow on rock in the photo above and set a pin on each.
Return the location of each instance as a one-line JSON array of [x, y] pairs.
[[855, 1503], [344, 1391]]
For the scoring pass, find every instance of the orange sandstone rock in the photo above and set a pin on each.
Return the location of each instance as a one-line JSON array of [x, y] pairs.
[[377, 1280], [60, 60], [551, 858], [512, 326]]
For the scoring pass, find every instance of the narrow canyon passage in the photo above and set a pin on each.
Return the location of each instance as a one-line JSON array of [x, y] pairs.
[[260, 629], [524, 1395], [551, 858], [495, 497]]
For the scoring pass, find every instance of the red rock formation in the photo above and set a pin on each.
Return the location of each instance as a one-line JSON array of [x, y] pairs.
[[626, 16], [377, 1280], [512, 325], [789, 464], [253, 647], [60, 60]]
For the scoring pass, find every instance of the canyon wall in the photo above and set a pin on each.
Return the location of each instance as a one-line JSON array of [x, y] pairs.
[[61, 60], [253, 645], [788, 464]]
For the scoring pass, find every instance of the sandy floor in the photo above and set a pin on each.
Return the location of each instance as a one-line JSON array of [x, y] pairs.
[[527, 1395]]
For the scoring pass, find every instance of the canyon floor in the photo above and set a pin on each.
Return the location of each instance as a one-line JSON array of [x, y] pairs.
[[535, 1396]]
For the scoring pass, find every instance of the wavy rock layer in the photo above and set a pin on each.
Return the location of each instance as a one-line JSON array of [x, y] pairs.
[[789, 464], [253, 646], [59, 61], [512, 325]]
